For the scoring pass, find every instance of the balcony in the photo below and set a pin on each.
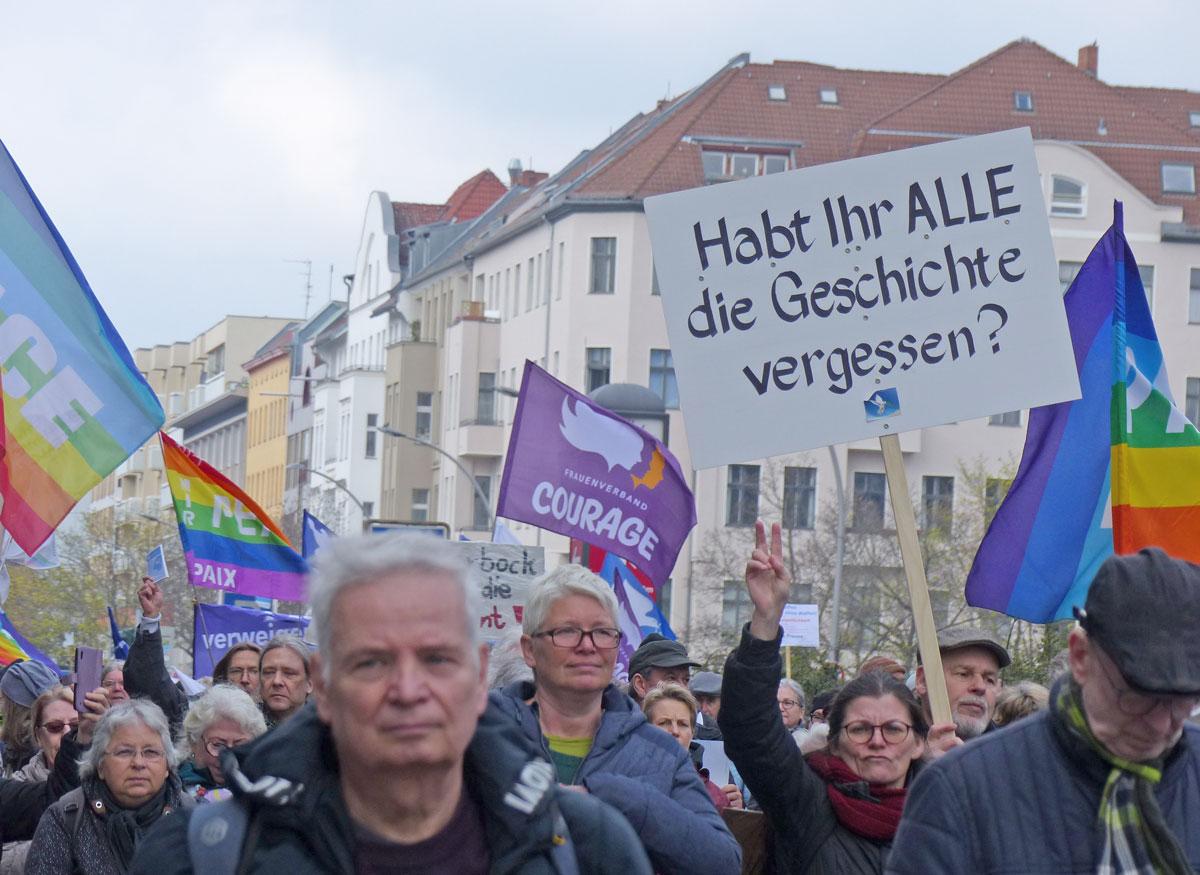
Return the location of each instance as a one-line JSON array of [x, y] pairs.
[[476, 437]]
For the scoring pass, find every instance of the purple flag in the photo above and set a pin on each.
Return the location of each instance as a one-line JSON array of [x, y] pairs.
[[579, 470]]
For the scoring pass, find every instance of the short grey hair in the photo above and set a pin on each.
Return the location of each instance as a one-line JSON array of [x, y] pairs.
[[795, 688], [506, 664], [349, 562], [134, 712], [222, 702], [111, 666], [563, 581]]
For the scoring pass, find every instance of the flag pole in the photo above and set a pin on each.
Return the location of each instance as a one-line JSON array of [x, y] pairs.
[[787, 661], [914, 573]]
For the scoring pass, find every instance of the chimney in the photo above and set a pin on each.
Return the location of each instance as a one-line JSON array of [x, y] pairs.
[[514, 172], [1089, 60]]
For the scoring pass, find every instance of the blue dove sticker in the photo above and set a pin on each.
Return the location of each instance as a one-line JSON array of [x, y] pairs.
[[882, 404]]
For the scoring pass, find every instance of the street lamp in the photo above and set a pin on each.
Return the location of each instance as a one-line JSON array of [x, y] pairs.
[[486, 504], [299, 466]]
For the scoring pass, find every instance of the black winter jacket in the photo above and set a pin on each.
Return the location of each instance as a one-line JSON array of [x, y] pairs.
[[312, 831], [1025, 799], [23, 803], [806, 834], [146, 677]]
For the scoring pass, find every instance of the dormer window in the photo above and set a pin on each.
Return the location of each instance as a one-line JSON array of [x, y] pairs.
[[776, 92], [1067, 197], [829, 96], [1023, 101], [1194, 118], [724, 166], [1178, 178]]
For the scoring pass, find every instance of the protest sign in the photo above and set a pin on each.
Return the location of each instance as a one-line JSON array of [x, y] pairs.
[[801, 626], [504, 572], [582, 471], [216, 628], [861, 298], [156, 564]]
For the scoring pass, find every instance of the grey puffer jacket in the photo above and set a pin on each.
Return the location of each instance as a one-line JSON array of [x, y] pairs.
[[643, 773], [71, 837], [1024, 799], [12, 862]]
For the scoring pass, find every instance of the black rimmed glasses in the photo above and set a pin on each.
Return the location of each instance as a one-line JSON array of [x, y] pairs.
[[603, 638], [1132, 703], [861, 732]]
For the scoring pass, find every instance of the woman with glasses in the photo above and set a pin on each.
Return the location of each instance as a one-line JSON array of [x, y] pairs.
[[835, 810], [597, 738], [224, 717], [53, 715], [127, 782]]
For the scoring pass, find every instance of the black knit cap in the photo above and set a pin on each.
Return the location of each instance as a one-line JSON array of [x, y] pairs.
[[1144, 611]]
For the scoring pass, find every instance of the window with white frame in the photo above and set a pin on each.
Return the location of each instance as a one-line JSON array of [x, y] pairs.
[[776, 92], [423, 428], [1067, 271], [1067, 197], [419, 509], [1178, 178], [372, 435], [485, 401], [723, 166], [1146, 274], [828, 96], [604, 265], [599, 367], [662, 377], [1194, 118], [741, 496], [799, 497]]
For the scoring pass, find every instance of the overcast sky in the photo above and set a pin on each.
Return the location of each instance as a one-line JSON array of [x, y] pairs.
[[188, 151]]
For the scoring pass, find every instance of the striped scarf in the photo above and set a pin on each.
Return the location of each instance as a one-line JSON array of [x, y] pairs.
[[1136, 839]]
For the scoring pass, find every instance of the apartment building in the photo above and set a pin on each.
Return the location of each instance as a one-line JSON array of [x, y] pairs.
[[561, 272], [269, 375]]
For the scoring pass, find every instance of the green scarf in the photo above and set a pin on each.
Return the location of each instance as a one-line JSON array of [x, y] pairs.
[[1136, 838]]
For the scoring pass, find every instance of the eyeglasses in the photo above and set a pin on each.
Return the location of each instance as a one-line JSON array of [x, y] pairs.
[[569, 636], [1134, 704], [861, 732], [789, 703], [150, 755], [56, 727], [236, 674], [217, 745]]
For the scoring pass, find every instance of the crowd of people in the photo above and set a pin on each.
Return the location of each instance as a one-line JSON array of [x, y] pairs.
[[402, 743]]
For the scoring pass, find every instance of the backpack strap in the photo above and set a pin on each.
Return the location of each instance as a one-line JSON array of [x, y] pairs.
[[216, 834]]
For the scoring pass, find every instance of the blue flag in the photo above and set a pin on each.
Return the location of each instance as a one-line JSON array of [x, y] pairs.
[[120, 645], [314, 536], [216, 628]]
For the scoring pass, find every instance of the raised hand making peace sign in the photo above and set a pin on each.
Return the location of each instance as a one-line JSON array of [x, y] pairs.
[[767, 581]]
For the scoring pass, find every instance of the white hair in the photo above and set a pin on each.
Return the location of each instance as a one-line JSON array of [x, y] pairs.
[[353, 561], [563, 581], [222, 702], [133, 712], [788, 683]]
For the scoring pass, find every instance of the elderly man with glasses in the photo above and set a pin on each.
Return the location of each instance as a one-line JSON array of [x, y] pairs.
[[597, 739], [1107, 779]]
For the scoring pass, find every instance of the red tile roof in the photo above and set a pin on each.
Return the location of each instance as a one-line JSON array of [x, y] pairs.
[[473, 197], [1117, 125]]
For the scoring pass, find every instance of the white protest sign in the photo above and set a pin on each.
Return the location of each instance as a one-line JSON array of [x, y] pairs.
[[716, 761], [861, 298], [801, 626], [504, 572]]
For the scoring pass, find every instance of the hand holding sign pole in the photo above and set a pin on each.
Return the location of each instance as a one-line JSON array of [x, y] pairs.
[[861, 299]]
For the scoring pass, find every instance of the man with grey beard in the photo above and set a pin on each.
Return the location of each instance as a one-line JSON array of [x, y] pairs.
[[971, 661]]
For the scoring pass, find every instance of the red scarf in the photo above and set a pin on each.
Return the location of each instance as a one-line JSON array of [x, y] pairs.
[[869, 810]]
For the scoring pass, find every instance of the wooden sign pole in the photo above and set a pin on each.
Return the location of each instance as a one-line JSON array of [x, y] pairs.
[[914, 573]]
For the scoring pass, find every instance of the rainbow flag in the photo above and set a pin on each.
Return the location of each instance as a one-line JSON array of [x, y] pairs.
[[14, 646], [229, 542], [1116, 470], [75, 406]]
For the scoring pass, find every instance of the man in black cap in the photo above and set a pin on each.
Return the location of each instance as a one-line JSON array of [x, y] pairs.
[[1105, 780], [657, 661], [706, 687], [971, 661]]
